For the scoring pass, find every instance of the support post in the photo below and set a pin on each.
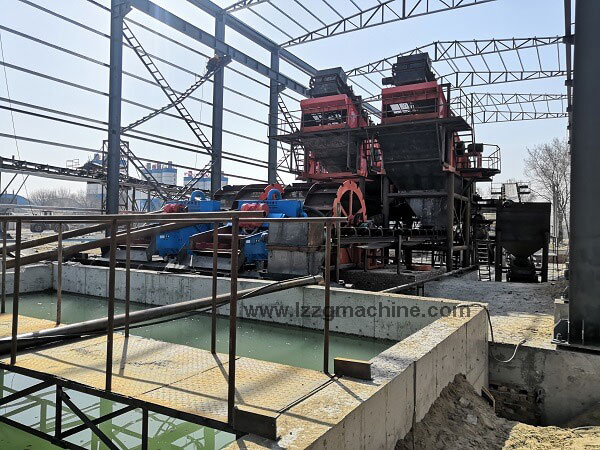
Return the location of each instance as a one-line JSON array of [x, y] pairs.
[[326, 315], [450, 222], [235, 228], [59, 267], [467, 229], [58, 413], [16, 289], [145, 429], [545, 251], [111, 304], [498, 257], [398, 255], [4, 231], [273, 119], [127, 277], [385, 190], [213, 312], [117, 14], [584, 288], [217, 113], [338, 253]]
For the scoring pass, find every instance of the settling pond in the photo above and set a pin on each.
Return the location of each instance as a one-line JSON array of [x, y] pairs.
[[289, 345]]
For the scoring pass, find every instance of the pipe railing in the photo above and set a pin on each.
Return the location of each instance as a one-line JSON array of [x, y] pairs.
[[160, 222]]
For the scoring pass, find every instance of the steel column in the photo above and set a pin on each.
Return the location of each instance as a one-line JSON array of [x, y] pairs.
[[467, 228], [117, 14], [584, 304], [127, 278], [235, 228], [213, 312], [584, 294], [217, 114], [326, 310], [545, 255], [498, 257], [111, 304], [273, 120], [4, 231], [59, 267], [16, 289], [58, 413], [385, 191], [145, 429], [450, 222]]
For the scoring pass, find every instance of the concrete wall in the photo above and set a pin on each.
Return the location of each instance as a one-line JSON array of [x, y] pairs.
[[407, 379], [34, 278], [565, 383], [388, 316], [348, 413]]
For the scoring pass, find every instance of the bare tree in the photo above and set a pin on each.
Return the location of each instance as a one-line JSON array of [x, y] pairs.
[[549, 168], [61, 197]]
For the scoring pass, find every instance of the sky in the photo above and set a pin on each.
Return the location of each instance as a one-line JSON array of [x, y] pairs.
[[497, 19]]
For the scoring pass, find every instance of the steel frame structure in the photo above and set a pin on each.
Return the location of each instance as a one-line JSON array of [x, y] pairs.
[[168, 222], [450, 52]]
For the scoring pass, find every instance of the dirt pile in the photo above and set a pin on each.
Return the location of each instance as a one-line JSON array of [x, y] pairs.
[[461, 419]]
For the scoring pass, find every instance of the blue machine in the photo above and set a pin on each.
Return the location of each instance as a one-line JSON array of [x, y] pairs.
[[255, 245], [172, 242]]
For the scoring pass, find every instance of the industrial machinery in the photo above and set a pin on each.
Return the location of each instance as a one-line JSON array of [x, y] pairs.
[[253, 235], [411, 176], [414, 170], [175, 243], [522, 229]]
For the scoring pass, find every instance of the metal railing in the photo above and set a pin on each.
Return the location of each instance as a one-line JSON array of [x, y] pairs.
[[160, 222]]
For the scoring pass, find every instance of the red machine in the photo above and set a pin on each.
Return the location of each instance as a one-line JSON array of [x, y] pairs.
[[333, 134], [413, 102], [329, 113]]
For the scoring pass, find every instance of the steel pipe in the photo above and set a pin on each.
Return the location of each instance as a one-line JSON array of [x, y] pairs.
[[403, 287], [100, 325]]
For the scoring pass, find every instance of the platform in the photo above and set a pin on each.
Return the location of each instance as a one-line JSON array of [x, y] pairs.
[[26, 324], [173, 379]]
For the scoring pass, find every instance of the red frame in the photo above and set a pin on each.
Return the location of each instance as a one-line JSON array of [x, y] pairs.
[[411, 93], [340, 102]]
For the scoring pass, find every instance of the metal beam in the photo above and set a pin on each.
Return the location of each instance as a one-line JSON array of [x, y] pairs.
[[248, 32], [380, 14], [217, 115], [243, 4], [273, 121], [450, 50], [584, 289], [117, 14], [177, 23], [484, 78]]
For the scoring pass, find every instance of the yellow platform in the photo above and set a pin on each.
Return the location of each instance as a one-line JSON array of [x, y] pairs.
[[171, 376]]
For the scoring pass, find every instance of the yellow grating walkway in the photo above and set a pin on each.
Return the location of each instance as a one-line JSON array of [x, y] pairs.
[[172, 376], [26, 324]]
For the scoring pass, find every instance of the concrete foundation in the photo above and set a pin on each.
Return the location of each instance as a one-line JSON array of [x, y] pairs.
[[438, 340], [381, 279], [544, 385]]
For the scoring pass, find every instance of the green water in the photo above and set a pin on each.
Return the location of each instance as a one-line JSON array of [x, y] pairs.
[[283, 344]]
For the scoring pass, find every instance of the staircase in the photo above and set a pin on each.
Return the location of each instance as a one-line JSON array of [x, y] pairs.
[[294, 156], [190, 186], [483, 260], [166, 88], [139, 166]]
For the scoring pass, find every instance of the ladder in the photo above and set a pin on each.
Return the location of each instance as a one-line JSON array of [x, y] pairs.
[[213, 65], [294, 156], [483, 261], [139, 166], [166, 88], [190, 186]]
